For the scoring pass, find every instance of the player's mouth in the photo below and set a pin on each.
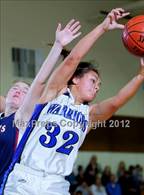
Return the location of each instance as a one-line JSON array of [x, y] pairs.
[[16, 96]]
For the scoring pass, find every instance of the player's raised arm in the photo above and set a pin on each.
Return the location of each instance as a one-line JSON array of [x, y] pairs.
[[63, 37], [105, 109], [63, 73]]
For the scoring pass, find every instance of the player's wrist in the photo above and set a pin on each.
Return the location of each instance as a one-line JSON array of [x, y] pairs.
[[141, 72], [58, 44], [140, 77], [103, 27]]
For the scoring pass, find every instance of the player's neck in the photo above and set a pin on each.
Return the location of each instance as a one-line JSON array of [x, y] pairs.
[[76, 95], [9, 110]]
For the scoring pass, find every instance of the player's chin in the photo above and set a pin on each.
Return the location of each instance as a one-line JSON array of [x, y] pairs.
[[16, 103], [91, 97]]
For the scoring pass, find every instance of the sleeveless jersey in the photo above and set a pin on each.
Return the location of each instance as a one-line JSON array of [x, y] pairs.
[[58, 134], [8, 140]]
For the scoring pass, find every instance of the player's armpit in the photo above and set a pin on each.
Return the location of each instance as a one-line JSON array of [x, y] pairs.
[[103, 110]]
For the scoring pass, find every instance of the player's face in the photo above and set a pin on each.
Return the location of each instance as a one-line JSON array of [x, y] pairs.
[[16, 94], [89, 86]]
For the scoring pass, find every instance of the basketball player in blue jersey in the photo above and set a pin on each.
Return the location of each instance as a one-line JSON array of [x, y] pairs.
[[20, 99], [52, 146]]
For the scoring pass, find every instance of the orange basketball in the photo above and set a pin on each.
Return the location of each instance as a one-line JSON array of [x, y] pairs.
[[133, 35]]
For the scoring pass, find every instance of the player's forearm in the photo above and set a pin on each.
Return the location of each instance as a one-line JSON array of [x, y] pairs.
[[49, 63], [85, 44], [129, 90], [39, 82]]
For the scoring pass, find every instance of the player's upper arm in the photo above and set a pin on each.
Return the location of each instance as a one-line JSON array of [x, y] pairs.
[[59, 78], [63, 73]]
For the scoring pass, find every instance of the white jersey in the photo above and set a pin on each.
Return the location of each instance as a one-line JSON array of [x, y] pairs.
[[59, 132]]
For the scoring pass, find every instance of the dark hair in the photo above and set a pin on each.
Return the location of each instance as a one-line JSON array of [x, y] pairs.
[[65, 53], [83, 68], [78, 192], [80, 167]]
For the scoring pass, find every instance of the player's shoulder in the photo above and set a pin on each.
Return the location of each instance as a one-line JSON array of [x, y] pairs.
[[2, 115], [51, 94], [7, 119], [10, 116]]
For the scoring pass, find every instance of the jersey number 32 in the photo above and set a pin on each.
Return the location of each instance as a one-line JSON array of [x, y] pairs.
[[53, 130]]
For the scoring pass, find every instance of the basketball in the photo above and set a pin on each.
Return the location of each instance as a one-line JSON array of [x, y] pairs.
[[133, 35]]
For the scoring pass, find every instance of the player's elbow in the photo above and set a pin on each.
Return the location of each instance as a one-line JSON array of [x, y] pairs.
[[73, 59]]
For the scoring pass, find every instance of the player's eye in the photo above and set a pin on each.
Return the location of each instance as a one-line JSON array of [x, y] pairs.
[[24, 92], [93, 80], [15, 88]]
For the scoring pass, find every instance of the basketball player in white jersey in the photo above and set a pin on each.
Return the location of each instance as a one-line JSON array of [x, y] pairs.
[[20, 99], [52, 147], [63, 37]]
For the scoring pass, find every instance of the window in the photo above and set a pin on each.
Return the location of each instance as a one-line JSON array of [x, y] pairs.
[[24, 62]]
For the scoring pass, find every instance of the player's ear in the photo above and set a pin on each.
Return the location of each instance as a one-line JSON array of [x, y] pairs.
[[76, 80]]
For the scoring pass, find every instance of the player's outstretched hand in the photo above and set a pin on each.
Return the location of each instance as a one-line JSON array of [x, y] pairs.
[[70, 32], [110, 21]]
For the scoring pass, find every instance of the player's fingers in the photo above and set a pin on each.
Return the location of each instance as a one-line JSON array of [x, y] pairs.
[[70, 23], [120, 26], [76, 29], [74, 25], [118, 10], [77, 35], [58, 27], [113, 14], [124, 14], [118, 15]]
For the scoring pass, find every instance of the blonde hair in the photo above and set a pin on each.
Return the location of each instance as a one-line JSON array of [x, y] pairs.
[[17, 81]]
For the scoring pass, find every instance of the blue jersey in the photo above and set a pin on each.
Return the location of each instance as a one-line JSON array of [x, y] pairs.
[[8, 140]]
